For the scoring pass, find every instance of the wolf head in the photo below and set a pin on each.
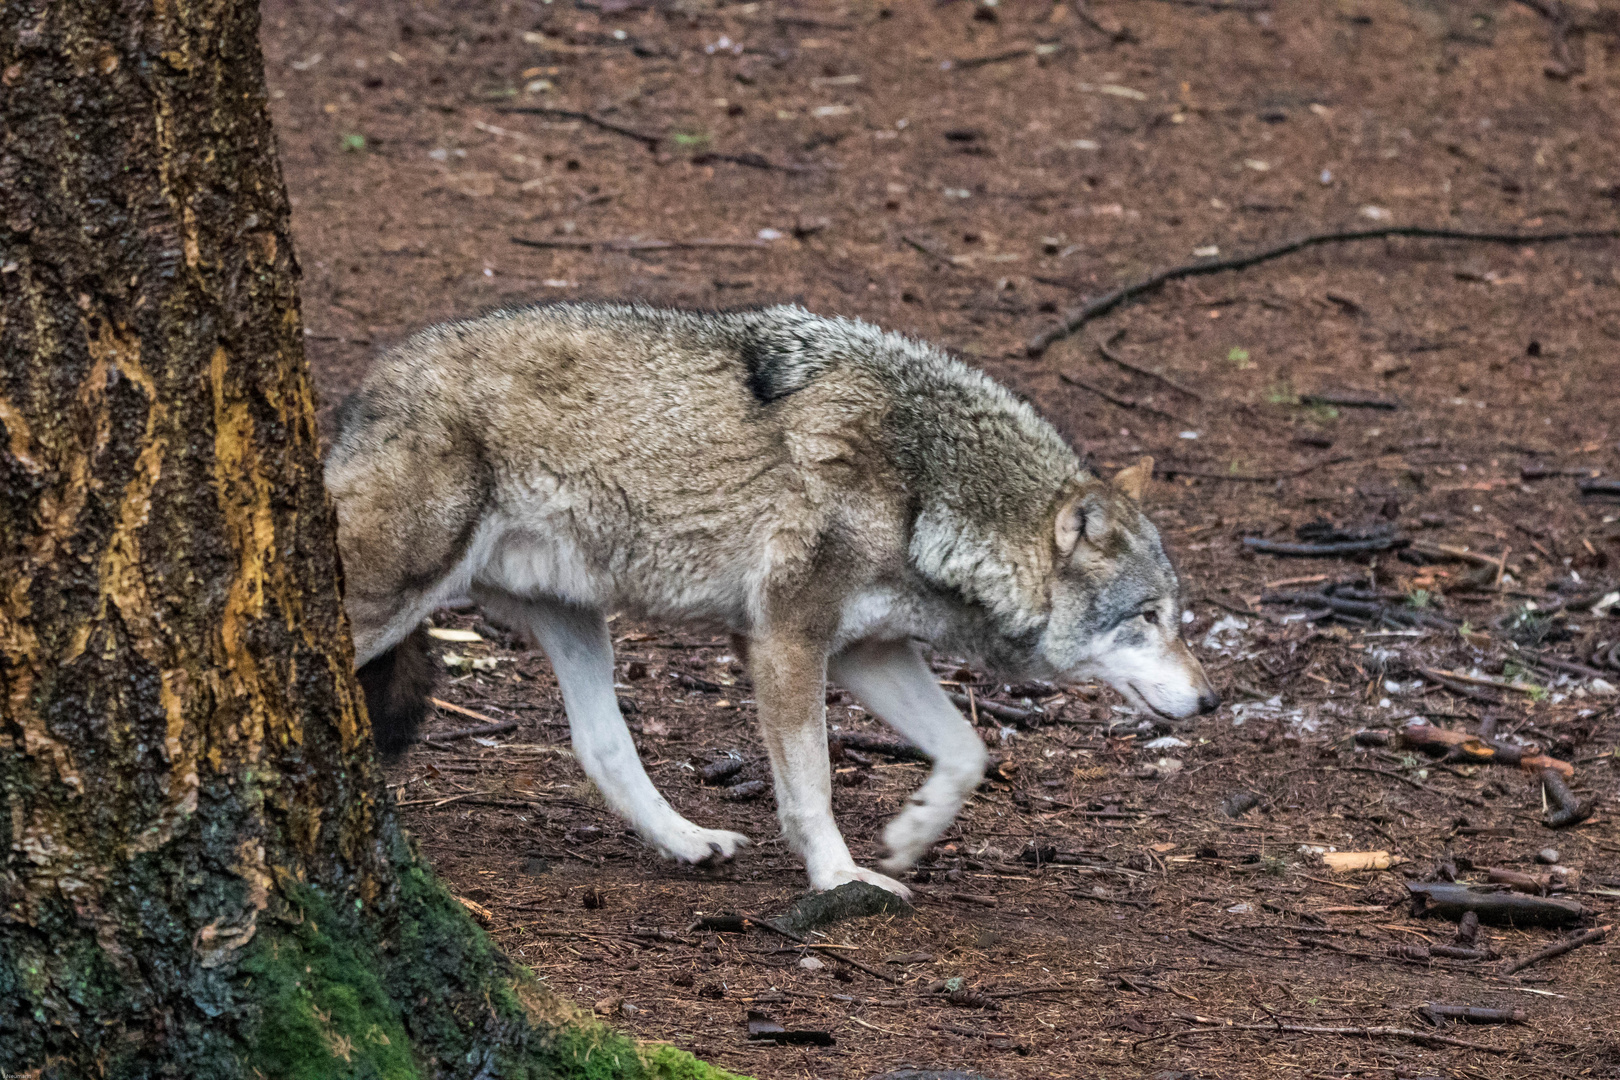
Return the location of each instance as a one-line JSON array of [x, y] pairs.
[[1115, 601]]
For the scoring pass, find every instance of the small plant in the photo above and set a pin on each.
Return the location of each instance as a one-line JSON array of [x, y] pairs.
[[1282, 394], [1273, 865], [353, 143], [690, 140], [1239, 358], [1418, 598]]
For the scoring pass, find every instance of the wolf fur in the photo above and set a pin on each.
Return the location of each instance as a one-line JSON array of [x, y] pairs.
[[833, 494]]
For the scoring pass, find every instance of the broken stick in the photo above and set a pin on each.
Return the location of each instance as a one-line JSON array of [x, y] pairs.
[[831, 954], [1102, 305], [1585, 937]]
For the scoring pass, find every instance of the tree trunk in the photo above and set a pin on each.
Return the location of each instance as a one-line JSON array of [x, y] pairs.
[[202, 875]]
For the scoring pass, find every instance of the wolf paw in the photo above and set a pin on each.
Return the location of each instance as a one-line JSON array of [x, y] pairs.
[[909, 837], [831, 879], [699, 847]]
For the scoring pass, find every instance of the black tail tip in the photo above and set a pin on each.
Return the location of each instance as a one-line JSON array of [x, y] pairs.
[[396, 685]]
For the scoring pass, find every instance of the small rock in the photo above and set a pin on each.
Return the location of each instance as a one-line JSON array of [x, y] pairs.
[[723, 768], [851, 900], [1548, 856], [1239, 803], [810, 963]]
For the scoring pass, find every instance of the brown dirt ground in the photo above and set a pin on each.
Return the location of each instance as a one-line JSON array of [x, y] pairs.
[[963, 173]]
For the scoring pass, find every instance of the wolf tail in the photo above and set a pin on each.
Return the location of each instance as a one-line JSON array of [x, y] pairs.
[[396, 686]]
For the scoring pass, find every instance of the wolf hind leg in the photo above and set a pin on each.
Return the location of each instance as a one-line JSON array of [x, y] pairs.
[[575, 640], [892, 680]]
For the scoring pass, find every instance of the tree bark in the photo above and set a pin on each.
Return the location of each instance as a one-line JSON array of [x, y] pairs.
[[202, 875]]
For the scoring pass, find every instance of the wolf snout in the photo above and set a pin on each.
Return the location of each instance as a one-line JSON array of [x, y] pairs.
[[1208, 701]]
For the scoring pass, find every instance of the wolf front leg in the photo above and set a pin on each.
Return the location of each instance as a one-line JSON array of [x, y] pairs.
[[576, 641], [789, 672], [891, 679]]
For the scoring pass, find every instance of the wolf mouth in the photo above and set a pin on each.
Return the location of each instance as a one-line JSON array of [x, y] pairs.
[[1142, 699]]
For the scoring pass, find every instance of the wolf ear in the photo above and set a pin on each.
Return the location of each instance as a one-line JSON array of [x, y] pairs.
[[1081, 515], [1133, 481]]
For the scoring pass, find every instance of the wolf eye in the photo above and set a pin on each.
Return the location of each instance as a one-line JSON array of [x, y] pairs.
[[1151, 616]]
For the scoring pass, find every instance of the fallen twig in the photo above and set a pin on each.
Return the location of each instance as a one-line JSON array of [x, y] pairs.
[[1459, 746], [1473, 1014], [1450, 900], [1447, 551], [831, 953], [492, 725], [1010, 713], [1114, 358], [1223, 943], [1407, 780], [1457, 686], [1346, 400], [640, 245], [929, 250], [1109, 301], [1608, 488], [748, 159], [1170, 468], [1476, 680], [1323, 551], [1585, 937], [1569, 667], [898, 749], [1122, 402], [1359, 1032], [968, 63], [649, 141]]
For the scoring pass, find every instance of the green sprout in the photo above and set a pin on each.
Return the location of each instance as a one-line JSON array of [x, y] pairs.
[[353, 143]]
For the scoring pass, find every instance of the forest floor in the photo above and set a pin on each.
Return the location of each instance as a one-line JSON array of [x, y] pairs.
[[967, 174]]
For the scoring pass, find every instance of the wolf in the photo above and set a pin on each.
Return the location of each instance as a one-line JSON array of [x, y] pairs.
[[836, 496]]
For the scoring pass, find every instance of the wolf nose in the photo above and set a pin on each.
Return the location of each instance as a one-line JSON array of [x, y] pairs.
[[1208, 701]]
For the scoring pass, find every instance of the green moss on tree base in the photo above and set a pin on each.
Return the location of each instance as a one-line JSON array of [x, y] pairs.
[[432, 998], [324, 1012]]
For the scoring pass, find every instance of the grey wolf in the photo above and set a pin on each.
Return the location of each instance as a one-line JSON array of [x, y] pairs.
[[835, 495]]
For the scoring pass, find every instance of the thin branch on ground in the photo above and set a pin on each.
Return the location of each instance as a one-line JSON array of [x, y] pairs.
[[1585, 937], [649, 141], [1122, 402], [830, 953], [1212, 1024], [573, 244], [1109, 301], [1114, 358]]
